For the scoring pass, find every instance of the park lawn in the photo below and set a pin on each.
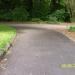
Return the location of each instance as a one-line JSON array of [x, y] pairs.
[[7, 33]]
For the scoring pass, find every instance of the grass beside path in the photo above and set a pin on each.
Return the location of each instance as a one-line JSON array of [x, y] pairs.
[[7, 33], [71, 28]]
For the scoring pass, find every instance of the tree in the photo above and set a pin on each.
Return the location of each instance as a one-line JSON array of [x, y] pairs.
[[70, 4], [38, 8]]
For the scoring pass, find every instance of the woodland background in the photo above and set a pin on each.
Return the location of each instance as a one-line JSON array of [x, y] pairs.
[[37, 10]]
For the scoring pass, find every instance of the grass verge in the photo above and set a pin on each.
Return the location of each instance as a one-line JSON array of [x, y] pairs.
[[71, 28], [7, 33]]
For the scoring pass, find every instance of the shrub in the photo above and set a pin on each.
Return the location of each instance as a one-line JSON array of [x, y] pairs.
[[5, 16], [20, 14], [17, 14], [1, 14], [36, 20], [44, 18], [59, 14], [55, 17], [52, 19]]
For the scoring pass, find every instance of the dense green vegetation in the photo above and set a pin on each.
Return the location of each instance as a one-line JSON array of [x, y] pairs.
[[6, 33], [34, 10]]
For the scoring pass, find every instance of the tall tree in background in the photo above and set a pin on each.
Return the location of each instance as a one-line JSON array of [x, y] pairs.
[[70, 4], [29, 6], [38, 8]]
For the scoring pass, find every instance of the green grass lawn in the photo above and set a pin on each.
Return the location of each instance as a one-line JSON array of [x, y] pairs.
[[7, 33]]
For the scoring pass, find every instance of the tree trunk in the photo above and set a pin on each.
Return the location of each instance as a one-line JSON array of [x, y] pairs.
[[71, 9]]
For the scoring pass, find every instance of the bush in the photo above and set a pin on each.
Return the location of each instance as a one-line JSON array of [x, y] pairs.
[[59, 14], [36, 20], [44, 18], [55, 17], [19, 14], [52, 19], [71, 28], [5, 15], [2, 12]]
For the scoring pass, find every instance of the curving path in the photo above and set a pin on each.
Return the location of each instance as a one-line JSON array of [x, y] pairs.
[[40, 52]]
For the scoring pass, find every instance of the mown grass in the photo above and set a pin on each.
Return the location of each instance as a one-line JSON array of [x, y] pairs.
[[7, 33]]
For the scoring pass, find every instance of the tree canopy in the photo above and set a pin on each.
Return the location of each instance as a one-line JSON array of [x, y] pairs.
[[50, 10]]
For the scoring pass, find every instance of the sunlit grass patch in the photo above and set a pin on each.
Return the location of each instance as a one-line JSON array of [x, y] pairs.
[[6, 35], [68, 66], [71, 28]]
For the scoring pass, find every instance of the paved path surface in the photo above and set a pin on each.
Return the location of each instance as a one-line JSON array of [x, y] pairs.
[[40, 52], [44, 26]]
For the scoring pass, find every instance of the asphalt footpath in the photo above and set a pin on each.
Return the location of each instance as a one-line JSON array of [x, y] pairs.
[[39, 51]]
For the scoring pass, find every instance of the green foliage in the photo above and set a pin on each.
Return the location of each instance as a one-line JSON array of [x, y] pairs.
[[2, 17], [59, 14], [71, 28], [6, 16], [40, 8], [62, 2], [19, 14], [36, 20], [52, 19], [70, 4], [7, 33], [23, 10]]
